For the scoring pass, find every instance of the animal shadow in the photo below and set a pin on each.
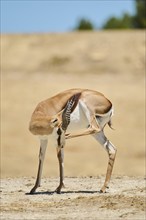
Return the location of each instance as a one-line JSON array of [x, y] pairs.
[[64, 192]]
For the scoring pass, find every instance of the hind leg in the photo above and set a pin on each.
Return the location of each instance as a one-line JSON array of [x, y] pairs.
[[111, 150]]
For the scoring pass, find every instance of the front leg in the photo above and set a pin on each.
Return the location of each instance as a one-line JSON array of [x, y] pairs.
[[43, 147], [60, 156]]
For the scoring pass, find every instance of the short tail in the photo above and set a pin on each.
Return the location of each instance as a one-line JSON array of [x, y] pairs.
[[110, 124], [110, 121]]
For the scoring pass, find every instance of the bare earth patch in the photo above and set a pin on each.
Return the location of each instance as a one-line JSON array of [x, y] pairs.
[[80, 199]]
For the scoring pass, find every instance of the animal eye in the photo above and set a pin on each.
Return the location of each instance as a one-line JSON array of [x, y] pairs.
[[55, 120]]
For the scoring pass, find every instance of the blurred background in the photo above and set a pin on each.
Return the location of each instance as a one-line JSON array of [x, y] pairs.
[[50, 46]]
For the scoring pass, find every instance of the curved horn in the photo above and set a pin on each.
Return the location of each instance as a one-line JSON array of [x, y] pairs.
[[66, 113]]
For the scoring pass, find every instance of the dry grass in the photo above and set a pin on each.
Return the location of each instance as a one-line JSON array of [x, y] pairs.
[[35, 67]]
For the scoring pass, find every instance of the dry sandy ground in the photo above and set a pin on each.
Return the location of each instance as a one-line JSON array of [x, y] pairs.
[[79, 200]]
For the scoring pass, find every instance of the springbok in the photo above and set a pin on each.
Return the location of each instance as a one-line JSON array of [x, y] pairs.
[[67, 111]]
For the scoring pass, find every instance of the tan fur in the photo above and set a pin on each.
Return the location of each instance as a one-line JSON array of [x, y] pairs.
[[47, 110]]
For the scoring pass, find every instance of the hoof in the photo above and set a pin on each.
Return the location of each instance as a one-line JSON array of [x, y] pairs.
[[32, 191], [101, 191], [58, 191]]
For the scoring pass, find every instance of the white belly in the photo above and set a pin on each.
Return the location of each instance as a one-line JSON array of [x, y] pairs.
[[79, 118]]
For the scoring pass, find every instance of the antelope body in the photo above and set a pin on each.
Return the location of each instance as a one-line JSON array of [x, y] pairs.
[[64, 114]]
